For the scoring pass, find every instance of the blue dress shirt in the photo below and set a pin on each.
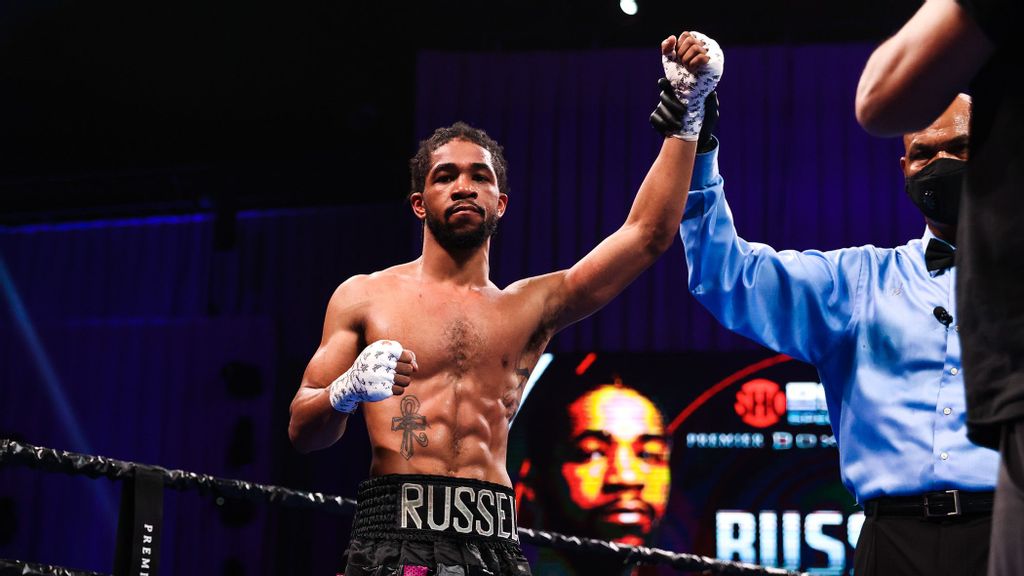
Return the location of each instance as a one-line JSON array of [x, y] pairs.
[[864, 317]]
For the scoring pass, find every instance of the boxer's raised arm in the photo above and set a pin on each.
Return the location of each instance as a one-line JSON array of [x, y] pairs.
[[693, 65]]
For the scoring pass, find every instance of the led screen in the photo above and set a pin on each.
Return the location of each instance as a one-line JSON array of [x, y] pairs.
[[727, 455]]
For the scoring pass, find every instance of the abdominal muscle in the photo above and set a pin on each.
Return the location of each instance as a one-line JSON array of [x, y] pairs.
[[441, 426]]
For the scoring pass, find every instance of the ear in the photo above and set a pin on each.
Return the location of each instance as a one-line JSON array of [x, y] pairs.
[[502, 204], [903, 165], [416, 201]]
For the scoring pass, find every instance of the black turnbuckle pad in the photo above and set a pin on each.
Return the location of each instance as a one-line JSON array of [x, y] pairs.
[[139, 524]]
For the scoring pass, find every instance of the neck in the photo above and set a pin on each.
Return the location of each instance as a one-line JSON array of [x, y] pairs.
[[465, 268], [945, 232]]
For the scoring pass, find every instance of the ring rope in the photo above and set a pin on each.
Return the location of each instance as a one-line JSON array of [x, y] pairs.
[[12, 567], [73, 463], [52, 460]]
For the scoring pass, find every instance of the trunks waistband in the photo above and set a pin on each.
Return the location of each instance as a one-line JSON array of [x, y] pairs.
[[425, 507]]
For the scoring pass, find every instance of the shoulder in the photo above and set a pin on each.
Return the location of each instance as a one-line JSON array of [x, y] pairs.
[[360, 289], [867, 251], [539, 298], [854, 260], [352, 287], [535, 285], [911, 251], [873, 257], [380, 280]]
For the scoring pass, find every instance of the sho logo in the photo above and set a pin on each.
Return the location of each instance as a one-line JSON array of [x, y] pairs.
[[760, 403]]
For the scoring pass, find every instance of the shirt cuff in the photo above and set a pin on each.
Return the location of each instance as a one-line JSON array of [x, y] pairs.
[[705, 168], [705, 177]]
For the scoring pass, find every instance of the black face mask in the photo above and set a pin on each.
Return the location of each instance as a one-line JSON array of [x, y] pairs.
[[935, 190]]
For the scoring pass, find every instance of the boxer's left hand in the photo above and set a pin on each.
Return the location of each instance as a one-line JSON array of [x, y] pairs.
[[694, 64]]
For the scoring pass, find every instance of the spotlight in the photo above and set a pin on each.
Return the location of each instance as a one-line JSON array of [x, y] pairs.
[[629, 7]]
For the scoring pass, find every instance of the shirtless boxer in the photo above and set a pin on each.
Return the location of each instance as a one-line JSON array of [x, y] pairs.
[[437, 355]]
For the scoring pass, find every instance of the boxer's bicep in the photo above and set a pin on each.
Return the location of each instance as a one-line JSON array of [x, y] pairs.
[[314, 424], [601, 275], [342, 336], [334, 355]]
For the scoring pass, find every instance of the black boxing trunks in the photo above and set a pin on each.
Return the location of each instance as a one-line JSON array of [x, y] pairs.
[[420, 525]]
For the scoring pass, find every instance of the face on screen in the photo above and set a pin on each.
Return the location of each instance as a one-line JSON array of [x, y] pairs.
[[614, 473]]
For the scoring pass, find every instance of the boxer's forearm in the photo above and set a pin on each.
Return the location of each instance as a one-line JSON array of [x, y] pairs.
[[693, 65], [319, 413], [314, 423], [658, 206]]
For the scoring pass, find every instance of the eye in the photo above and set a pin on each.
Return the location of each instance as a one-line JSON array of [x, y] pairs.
[[443, 178], [652, 456], [588, 456], [481, 178], [589, 451], [656, 452], [921, 151], [958, 149]]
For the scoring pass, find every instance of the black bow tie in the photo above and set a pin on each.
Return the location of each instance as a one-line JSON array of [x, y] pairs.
[[938, 255]]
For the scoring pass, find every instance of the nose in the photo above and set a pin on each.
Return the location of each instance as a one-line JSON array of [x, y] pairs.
[[624, 470], [465, 189], [944, 154], [463, 194]]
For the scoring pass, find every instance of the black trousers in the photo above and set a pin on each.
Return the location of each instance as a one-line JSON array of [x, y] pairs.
[[1007, 557], [909, 546]]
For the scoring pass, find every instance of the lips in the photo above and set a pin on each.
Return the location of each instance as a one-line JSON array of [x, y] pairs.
[[632, 512], [463, 207]]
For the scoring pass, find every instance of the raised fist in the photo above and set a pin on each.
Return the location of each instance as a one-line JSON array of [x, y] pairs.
[[693, 65]]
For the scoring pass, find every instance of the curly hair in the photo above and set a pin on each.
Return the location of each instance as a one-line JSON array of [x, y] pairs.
[[419, 165]]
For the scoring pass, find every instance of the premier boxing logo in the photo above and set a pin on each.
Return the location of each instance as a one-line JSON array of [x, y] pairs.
[[458, 511]]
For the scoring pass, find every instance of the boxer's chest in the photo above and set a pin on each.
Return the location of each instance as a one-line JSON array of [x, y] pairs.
[[452, 333]]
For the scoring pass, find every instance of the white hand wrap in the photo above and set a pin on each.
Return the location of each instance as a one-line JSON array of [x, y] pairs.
[[693, 87], [369, 379]]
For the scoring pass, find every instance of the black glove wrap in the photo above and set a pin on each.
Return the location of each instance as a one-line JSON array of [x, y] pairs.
[[667, 118]]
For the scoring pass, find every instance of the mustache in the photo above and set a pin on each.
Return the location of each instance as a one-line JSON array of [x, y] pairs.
[[461, 205], [645, 508]]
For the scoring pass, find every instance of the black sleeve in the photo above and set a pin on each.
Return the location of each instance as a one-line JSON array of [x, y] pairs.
[[997, 18]]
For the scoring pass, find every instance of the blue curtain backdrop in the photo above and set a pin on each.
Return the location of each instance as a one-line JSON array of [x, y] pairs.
[[113, 334]]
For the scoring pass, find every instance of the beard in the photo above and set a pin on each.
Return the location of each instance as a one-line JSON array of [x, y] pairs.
[[461, 240], [556, 510]]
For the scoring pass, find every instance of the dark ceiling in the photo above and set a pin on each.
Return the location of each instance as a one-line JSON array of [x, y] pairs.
[[111, 108]]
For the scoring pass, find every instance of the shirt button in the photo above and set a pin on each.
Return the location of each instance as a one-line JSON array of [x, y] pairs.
[[947, 411], [944, 456], [957, 327], [954, 371]]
